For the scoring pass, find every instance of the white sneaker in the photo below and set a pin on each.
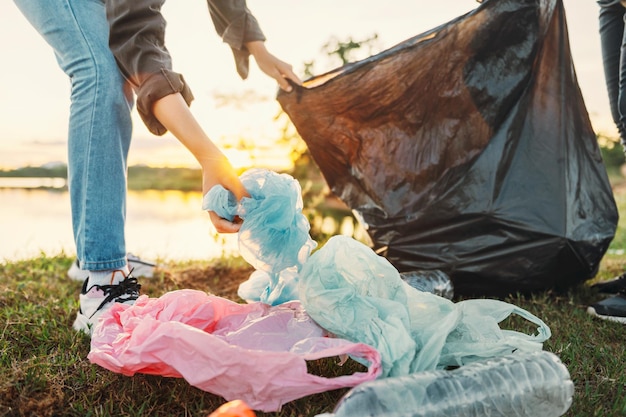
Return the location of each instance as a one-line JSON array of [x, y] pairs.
[[140, 268], [98, 298]]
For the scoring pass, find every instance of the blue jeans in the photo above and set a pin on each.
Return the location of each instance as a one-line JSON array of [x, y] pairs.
[[613, 42], [99, 127]]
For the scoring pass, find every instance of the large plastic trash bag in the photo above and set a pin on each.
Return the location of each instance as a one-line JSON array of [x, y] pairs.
[[250, 352], [358, 295], [468, 149]]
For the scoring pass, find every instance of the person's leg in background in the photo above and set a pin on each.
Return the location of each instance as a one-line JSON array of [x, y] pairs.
[[99, 138], [611, 21], [611, 26]]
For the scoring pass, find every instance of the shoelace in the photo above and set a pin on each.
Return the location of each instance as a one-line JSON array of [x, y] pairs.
[[129, 286]]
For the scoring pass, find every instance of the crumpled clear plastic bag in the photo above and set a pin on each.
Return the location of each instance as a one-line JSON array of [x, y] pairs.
[[272, 289], [358, 295], [275, 234], [250, 352]]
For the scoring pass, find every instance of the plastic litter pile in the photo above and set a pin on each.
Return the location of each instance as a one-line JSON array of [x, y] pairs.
[[347, 300], [467, 186]]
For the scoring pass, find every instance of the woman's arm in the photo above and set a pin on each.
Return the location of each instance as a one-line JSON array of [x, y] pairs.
[[173, 113]]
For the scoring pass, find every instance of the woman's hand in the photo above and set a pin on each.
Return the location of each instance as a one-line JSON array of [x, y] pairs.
[[272, 66], [218, 170]]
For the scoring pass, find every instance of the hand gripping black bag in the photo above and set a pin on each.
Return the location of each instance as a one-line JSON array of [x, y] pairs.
[[468, 149]]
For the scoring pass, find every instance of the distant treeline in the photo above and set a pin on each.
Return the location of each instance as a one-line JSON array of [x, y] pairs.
[[148, 178], [57, 171], [139, 177]]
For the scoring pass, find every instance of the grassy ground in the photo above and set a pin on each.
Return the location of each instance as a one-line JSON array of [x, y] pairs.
[[44, 370]]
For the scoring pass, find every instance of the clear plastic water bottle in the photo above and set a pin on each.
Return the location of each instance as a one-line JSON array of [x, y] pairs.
[[525, 384], [435, 281]]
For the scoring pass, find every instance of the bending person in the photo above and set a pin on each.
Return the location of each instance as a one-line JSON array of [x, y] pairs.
[[99, 140], [138, 42], [611, 20]]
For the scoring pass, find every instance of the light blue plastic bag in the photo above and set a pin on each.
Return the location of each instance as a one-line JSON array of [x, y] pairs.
[[275, 233], [274, 237], [358, 295]]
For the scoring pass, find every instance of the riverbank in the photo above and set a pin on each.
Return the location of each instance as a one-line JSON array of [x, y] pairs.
[[139, 178]]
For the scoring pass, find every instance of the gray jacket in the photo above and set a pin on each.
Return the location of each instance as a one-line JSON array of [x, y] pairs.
[[137, 40]]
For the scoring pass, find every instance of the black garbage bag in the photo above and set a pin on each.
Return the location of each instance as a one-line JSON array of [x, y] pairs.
[[468, 149]]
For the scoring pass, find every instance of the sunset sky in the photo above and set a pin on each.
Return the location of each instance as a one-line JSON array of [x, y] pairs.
[[34, 93]]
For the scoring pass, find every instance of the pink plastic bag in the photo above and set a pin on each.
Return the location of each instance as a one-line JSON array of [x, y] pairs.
[[252, 352]]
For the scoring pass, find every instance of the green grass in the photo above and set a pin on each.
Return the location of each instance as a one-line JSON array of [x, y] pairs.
[[44, 370]]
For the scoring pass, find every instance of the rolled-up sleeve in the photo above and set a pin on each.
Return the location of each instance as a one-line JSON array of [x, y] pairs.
[[137, 40], [236, 25]]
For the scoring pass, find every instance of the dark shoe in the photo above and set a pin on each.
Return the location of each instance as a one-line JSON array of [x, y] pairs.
[[613, 309], [613, 286]]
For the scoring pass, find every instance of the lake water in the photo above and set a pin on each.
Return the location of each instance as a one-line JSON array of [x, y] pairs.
[[160, 225], [166, 225]]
